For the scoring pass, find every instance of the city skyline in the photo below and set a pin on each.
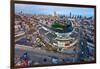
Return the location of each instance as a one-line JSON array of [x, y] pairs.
[[46, 9]]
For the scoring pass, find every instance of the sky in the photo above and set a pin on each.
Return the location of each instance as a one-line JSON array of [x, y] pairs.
[[46, 9]]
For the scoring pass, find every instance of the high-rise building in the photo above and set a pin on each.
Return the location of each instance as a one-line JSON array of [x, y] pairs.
[[70, 14]]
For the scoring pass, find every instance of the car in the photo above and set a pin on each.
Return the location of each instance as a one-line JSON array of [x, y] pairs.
[[55, 60]]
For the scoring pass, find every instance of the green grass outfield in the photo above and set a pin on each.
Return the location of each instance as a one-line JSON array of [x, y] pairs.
[[57, 25]]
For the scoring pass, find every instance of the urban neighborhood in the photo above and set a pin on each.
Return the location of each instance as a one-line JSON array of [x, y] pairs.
[[53, 38]]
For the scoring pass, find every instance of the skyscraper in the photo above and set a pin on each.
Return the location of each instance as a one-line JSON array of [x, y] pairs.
[[70, 14]]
